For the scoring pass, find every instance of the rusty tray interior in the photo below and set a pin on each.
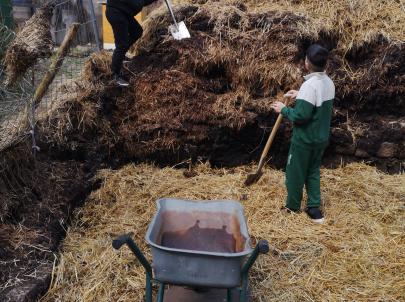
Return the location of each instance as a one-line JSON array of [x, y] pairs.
[[216, 226]]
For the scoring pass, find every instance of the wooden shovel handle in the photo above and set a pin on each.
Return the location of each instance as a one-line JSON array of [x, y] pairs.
[[270, 141]]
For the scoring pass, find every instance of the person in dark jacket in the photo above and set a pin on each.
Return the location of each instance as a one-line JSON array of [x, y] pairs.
[[120, 14]]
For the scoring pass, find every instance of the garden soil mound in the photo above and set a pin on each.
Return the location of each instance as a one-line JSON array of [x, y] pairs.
[[37, 196], [209, 96], [357, 255]]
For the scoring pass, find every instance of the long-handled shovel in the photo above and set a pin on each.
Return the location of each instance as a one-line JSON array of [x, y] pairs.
[[179, 31], [253, 178]]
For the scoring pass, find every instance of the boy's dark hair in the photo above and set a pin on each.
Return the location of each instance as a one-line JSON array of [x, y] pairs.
[[318, 56]]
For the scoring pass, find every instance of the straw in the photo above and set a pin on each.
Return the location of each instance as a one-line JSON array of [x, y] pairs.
[[356, 256], [32, 42]]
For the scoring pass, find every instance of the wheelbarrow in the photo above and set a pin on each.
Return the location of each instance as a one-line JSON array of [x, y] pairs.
[[200, 251]]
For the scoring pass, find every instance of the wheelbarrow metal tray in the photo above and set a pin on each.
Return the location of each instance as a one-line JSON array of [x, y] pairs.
[[198, 267]]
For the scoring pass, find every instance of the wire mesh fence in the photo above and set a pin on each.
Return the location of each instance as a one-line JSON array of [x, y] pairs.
[[12, 100], [16, 116]]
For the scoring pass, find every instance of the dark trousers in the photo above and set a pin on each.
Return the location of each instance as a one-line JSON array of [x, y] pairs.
[[126, 32]]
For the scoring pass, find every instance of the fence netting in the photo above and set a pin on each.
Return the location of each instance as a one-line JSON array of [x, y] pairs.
[[16, 115]]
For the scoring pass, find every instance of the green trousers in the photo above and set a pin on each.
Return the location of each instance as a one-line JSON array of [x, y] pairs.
[[303, 168]]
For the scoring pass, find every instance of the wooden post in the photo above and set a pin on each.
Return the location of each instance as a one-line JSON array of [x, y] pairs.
[[57, 61]]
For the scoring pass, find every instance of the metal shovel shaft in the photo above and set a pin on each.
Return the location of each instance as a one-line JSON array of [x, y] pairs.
[[171, 13]]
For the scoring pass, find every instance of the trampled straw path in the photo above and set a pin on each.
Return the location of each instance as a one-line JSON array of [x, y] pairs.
[[358, 255]]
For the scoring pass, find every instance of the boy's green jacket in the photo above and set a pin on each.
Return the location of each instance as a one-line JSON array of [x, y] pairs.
[[312, 112]]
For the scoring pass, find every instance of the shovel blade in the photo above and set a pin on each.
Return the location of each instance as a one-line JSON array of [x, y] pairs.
[[253, 178], [181, 32]]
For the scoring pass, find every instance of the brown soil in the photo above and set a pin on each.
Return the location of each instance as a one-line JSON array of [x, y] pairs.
[[200, 239], [37, 198]]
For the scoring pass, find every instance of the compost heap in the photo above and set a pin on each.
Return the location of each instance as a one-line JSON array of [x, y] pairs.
[[31, 43], [209, 97], [37, 196], [357, 255]]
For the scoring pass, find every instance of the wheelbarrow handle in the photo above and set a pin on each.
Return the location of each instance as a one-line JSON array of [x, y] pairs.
[[126, 239], [120, 241], [262, 247]]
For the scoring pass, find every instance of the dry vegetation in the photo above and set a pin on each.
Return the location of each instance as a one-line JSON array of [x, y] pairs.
[[356, 256], [353, 21], [31, 43]]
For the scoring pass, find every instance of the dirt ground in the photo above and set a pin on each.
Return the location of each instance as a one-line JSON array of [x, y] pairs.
[[37, 199]]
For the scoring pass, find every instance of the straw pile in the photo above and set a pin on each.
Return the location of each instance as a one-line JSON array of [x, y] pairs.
[[34, 41], [356, 256], [210, 95], [366, 39]]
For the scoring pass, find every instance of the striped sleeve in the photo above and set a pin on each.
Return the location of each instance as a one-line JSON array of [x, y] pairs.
[[304, 106]]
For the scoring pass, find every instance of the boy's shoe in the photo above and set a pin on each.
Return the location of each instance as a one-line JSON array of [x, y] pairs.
[[315, 214], [120, 81]]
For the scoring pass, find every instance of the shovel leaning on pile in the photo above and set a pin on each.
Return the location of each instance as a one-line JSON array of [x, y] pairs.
[[253, 178], [179, 31]]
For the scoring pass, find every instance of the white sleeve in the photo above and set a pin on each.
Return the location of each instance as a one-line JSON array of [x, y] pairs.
[[307, 93]]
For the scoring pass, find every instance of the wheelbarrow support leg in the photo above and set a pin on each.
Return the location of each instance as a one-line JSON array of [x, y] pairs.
[[261, 248], [161, 292], [126, 239], [229, 295]]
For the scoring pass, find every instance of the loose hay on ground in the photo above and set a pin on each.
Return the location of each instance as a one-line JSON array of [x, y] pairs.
[[357, 255]]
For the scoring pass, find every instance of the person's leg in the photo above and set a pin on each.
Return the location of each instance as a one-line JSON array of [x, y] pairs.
[[296, 172], [119, 24], [313, 182], [135, 31]]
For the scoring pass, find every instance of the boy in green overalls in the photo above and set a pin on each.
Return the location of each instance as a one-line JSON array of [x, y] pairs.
[[311, 118]]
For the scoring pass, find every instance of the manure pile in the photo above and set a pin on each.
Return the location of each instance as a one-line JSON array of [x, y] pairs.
[[209, 96], [37, 196], [357, 255]]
